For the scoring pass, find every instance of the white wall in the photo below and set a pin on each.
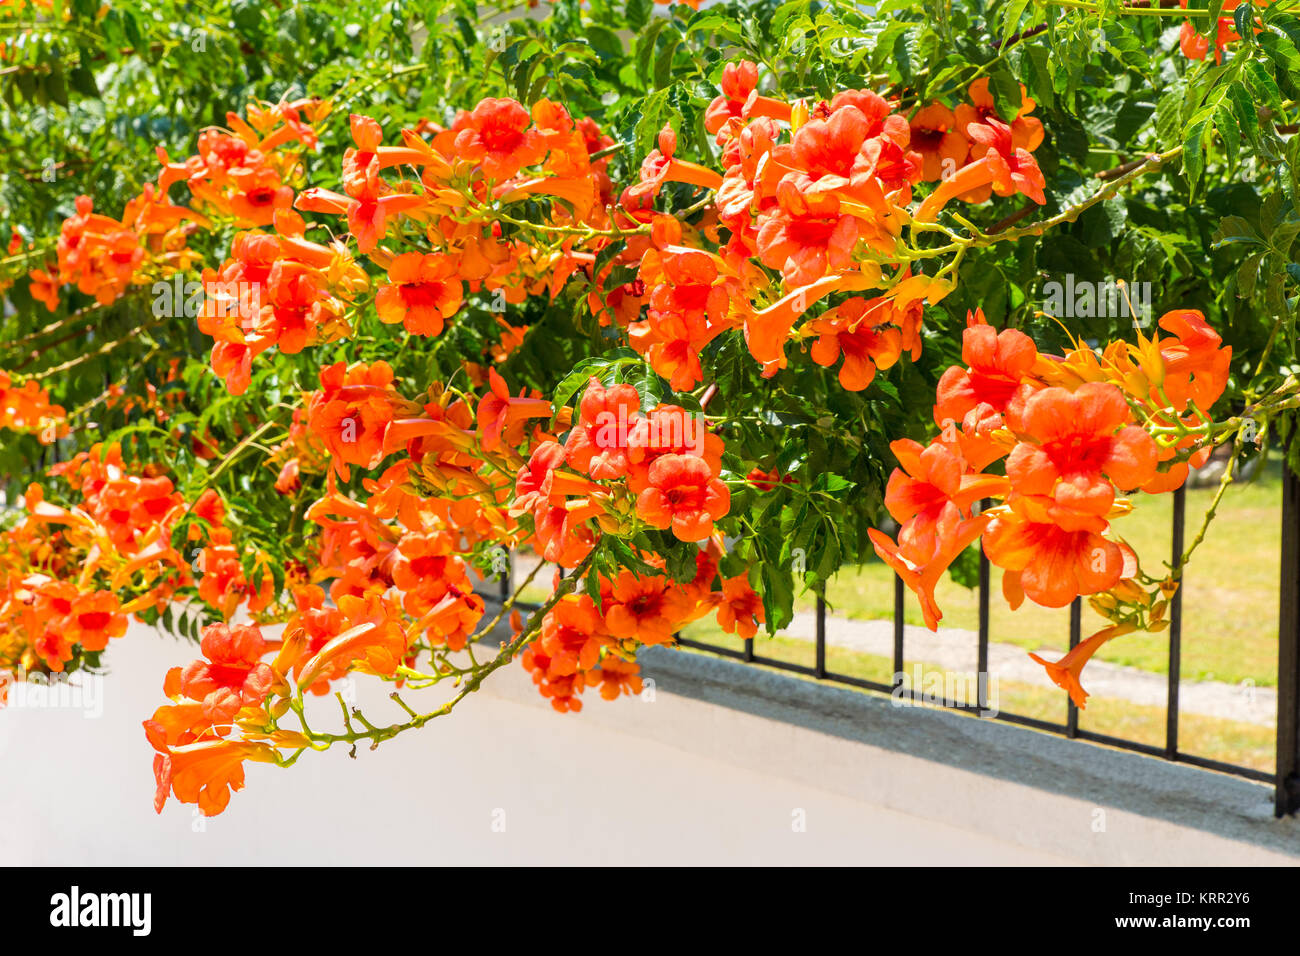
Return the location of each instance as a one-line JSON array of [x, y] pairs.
[[717, 786]]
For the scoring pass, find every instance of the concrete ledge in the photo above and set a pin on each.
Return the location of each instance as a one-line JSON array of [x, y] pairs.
[[1068, 798]]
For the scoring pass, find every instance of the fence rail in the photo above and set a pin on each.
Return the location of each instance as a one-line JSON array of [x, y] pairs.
[[1286, 777]]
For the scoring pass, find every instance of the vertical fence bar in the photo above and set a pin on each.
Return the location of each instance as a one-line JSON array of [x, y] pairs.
[[507, 578], [982, 651], [1287, 790], [1175, 629], [898, 629], [749, 650], [1076, 628], [820, 666]]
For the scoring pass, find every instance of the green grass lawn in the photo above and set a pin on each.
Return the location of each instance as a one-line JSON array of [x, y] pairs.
[[1230, 592]]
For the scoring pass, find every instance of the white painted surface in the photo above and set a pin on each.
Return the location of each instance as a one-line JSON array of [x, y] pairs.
[[595, 787]]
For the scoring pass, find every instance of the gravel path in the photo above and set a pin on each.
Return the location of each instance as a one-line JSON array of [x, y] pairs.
[[955, 650]]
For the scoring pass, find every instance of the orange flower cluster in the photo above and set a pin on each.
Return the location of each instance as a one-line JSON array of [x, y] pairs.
[[300, 291], [495, 154], [811, 202], [244, 174], [104, 257], [368, 556], [400, 579], [584, 645], [616, 469], [276, 289], [241, 176], [619, 466], [821, 205], [823, 209], [27, 408], [402, 544], [224, 705], [194, 758], [1076, 434], [71, 575], [998, 152]]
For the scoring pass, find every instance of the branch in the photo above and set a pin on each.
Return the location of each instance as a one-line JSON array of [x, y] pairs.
[[104, 349], [1023, 35], [1011, 220], [1150, 163], [377, 734]]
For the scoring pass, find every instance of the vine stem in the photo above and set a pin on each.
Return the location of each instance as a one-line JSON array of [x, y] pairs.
[[607, 151], [72, 317], [510, 602], [377, 734], [1227, 479], [42, 252], [104, 349], [392, 74], [1151, 163], [234, 453]]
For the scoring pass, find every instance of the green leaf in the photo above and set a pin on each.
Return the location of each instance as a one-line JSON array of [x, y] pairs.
[[664, 61], [1237, 96], [1209, 27], [1244, 20], [1168, 118], [717, 21], [607, 44], [778, 596], [651, 121], [645, 49], [638, 13], [907, 53], [1037, 73], [1226, 123], [603, 367], [1248, 274], [1014, 11], [965, 570], [1283, 237], [1234, 229], [1263, 87], [1130, 51], [1005, 88], [1194, 150]]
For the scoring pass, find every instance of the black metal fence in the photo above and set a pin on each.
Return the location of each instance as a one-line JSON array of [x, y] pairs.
[[1286, 776]]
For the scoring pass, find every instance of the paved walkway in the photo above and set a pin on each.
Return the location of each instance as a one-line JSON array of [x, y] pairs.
[[955, 650]]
